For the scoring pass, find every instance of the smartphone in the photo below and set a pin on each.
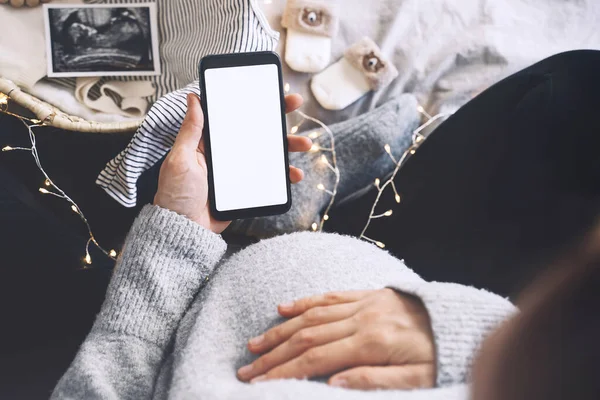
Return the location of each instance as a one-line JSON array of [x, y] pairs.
[[245, 135]]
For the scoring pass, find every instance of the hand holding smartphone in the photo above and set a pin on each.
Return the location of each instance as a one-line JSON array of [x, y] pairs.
[[245, 135], [183, 183]]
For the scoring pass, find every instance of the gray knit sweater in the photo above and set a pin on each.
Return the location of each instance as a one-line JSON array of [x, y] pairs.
[[163, 333]]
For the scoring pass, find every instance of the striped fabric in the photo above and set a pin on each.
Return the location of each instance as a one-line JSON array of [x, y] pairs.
[[189, 30]]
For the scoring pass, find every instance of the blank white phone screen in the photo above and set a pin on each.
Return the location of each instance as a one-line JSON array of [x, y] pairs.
[[246, 136]]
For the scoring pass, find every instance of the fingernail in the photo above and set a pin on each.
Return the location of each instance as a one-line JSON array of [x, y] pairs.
[[245, 370], [287, 306], [257, 341], [259, 379], [339, 383]]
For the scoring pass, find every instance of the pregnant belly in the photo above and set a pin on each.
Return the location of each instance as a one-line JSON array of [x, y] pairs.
[[240, 302]]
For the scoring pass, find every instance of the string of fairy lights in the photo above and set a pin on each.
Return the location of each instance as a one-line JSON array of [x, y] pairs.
[[417, 139], [49, 187], [331, 165]]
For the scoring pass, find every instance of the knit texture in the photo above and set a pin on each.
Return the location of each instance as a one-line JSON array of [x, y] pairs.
[[163, 334], [460, 317], [169, 283], [361, 157]]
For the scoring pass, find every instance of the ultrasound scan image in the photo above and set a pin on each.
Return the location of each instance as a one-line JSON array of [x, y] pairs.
[[101, 39]]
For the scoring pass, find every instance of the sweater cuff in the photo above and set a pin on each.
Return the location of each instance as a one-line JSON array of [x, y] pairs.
[[165, 260], [461, 317]]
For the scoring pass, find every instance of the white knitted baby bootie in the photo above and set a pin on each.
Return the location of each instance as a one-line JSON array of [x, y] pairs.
[[362, 69], [311, 25]]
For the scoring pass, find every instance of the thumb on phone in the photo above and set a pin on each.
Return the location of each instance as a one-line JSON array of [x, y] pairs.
[[190, 134]]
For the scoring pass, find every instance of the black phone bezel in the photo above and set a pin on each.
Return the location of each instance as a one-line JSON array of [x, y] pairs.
[[239, 60]]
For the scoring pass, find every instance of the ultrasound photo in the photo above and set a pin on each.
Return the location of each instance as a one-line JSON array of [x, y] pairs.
[[101, 40]]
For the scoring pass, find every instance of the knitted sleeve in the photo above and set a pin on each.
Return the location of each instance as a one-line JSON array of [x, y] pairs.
[[166, 258], [461, 317]]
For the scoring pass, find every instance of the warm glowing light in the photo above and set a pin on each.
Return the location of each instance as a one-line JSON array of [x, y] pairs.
[[421, 109], [313, 135], [380, 245], [314, 226], [320, 186], [55, 190], [294, 129], [388, 213], [377, 182], [419, 139], [397, 198], [3, 99], [412, 152], [286, 87], [326, 217], [315, 147], [388, 149], [324, 159]]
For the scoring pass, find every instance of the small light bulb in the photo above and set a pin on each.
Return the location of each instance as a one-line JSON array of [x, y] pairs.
[[3, 99], [47, 182], [387, 148], [75, 210], [412, 152], [397, 198], [313, 135], [420, 109], [112, 253], [314, 226], [388, 213], [286, 87], [314, 147], [44, 191], [294, 129], [326, 217], [7, 148], [320, 186], [377, 182], [419, 139], [380, 245], [88, 259]]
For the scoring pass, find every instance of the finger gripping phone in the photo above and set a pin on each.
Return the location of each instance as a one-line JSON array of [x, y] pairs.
[[245, 135]]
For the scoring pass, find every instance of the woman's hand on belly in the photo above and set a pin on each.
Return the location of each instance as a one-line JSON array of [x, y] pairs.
[[377, 339]]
